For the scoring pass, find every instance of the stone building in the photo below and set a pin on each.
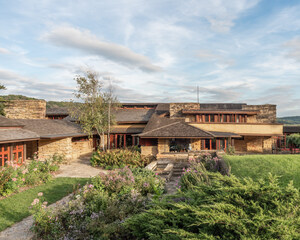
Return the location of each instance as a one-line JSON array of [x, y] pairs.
[[26, 131], [158, 128]]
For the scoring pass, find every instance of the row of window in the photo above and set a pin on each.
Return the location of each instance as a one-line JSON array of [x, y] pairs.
[[219, 118], [11, 152]]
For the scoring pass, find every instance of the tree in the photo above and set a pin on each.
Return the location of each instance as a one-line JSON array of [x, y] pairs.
[[94, 112], [2, 87], [293, 140]]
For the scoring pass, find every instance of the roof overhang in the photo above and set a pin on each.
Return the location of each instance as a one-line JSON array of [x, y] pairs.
[[185, 111], [63, 135], [19, 140]]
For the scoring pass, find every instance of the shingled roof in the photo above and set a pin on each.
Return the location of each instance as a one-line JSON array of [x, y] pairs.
[[56, 111], [47, 128], [291, 129], [176, 130], [133, 115], [6, 122], [17, 135]]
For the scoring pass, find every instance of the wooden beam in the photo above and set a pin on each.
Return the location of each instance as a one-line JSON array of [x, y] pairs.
[[124, 140], [210, 144]]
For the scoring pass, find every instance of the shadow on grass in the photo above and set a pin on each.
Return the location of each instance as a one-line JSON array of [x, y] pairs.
[[15, 208]]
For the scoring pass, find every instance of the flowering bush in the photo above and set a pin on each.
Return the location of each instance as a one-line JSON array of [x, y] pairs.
[[119, 158], [13, 176], [211, 163], [98, 210]]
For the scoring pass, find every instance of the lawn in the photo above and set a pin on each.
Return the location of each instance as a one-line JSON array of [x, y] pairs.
[[287, 167], [16, 207]]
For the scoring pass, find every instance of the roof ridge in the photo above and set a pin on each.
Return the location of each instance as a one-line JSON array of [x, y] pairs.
[[201, 129], [160, 127]]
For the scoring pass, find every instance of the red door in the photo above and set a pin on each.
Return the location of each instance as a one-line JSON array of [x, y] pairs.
[[18, 154]]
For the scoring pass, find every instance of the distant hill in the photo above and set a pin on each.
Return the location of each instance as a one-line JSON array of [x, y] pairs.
[[57, 104], [289, 120], [16, 97]]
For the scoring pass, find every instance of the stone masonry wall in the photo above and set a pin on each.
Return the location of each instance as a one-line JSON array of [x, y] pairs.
[[163, 145], [48, 148], [176, 108], [31, 148], [149, 150], [81, 148], [25, 109], [267, 112]]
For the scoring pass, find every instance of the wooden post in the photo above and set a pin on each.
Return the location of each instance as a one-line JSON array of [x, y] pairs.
[[245, 118], [124, 140], [133, 141], [116, 140], [210, 144], [225, 144]]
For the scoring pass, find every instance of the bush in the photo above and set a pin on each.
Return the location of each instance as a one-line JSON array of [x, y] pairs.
[[213, 206], [211, 162], [13, 177], [98, 210], [119, 158]]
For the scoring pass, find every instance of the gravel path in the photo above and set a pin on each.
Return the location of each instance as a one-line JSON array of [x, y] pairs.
[[80, 169]]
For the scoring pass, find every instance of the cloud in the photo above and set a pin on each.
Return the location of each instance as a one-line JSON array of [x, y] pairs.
[[294, 48], [17, 84], [221, 14], [83, 40], [4, 51]]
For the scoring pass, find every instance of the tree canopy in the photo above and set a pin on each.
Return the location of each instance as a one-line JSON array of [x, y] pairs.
[[94, 112], [2, 113]]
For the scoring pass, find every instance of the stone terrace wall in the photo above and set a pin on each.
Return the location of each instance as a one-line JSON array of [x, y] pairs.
[[267, 112], [48, 148], [176, 108], [25, 109], [81, 148]]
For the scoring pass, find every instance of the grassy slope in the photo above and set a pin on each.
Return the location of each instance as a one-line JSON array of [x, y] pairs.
[[13, 209], [289, 120], [287, 167]]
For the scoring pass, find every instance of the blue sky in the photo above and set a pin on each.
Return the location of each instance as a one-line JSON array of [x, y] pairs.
[[155, 51]]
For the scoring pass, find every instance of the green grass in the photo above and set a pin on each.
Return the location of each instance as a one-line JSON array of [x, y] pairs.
[[16, 207], [287, 167]]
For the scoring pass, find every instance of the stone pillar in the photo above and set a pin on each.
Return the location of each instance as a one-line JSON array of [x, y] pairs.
[[163, 145]]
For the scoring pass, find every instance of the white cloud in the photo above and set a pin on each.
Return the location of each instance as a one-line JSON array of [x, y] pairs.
[[4, 51], [69, 37], [221, 14]]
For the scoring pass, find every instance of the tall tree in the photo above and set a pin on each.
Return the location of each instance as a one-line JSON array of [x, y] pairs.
[[94, 113], [2, 113]]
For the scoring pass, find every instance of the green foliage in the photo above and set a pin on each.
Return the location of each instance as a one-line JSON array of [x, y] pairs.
[[93, 114], [222, 207], [289, 120], [294, 139], [286, 166], [98, 210], [16, 97], [2, 113], [119, 158], [230, 150], [13, 177], [15, 207]]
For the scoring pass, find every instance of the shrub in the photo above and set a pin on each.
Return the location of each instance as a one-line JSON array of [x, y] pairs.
[[98, 210], [211, 162], [119, 158], [13, 177], [214, 206]]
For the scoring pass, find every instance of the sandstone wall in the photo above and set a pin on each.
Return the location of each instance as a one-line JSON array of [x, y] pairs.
[[267, 112], [31, 148], [176, 108], [81, 148], [25, 109], [48, 148], [163, 145], [149, 150], [196, 144]]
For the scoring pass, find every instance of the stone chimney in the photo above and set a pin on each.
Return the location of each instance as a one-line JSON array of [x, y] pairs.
[[25, 109], [176, 108]]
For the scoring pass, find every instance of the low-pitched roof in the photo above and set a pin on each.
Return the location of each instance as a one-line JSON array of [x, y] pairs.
[[176, 130], [47, 128], [133, 115], [55, 111], [129, 130], [17, 135], [6, 122], [291, 129]]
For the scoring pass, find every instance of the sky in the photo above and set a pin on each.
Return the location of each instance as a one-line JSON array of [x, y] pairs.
[[155, 51]]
